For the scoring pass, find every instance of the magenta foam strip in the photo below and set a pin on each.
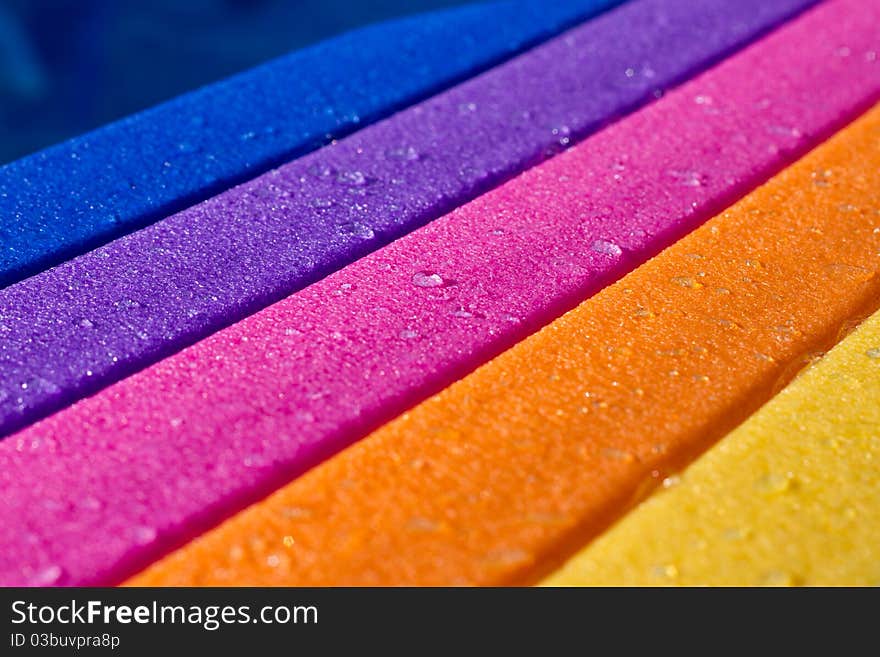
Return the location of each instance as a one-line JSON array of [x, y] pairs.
[[99, 490]]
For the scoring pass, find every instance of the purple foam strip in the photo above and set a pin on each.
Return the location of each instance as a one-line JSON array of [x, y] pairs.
[[72, 330]]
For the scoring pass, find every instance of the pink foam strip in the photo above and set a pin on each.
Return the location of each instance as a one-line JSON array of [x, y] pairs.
[[97, 491]]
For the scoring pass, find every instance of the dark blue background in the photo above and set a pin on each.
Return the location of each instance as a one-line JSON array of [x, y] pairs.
[[67, 66]]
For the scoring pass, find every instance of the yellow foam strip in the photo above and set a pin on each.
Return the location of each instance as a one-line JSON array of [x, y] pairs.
[[790, 497]]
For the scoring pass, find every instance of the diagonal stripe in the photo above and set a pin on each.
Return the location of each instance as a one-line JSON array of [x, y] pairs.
[[790, 497], [507, 471]]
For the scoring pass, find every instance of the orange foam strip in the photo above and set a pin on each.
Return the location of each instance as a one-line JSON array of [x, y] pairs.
[[504, 474]]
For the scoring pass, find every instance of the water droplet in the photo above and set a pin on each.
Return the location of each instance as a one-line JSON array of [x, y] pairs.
[[775, 483], [143, 535], [672, 481], [689, 178], [92, 504], [665, 571], [461, 312], [47, 576], [821, 178], [320, 170], [357, 229], [607, 248], [86, 323], [322, 203], [427, 279], [562, 133], [404, 153], [288, 541], [467, 108], [873, 353], [618, 455], [630, 72], [353, 178], [236, 553], [408, 334], [686, 281], [784, 131], [508, 557]]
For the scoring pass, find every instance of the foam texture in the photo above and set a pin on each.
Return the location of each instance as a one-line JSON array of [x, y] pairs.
[[788, 498], [93, 320], [70, 198], [226, 421], [508, 471]]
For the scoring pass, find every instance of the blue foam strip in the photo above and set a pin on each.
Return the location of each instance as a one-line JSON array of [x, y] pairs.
[[75, 196]]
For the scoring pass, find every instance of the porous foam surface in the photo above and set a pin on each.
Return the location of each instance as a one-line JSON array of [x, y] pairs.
[[788, 498], [174, 448], [510, 470], [69, 331]]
